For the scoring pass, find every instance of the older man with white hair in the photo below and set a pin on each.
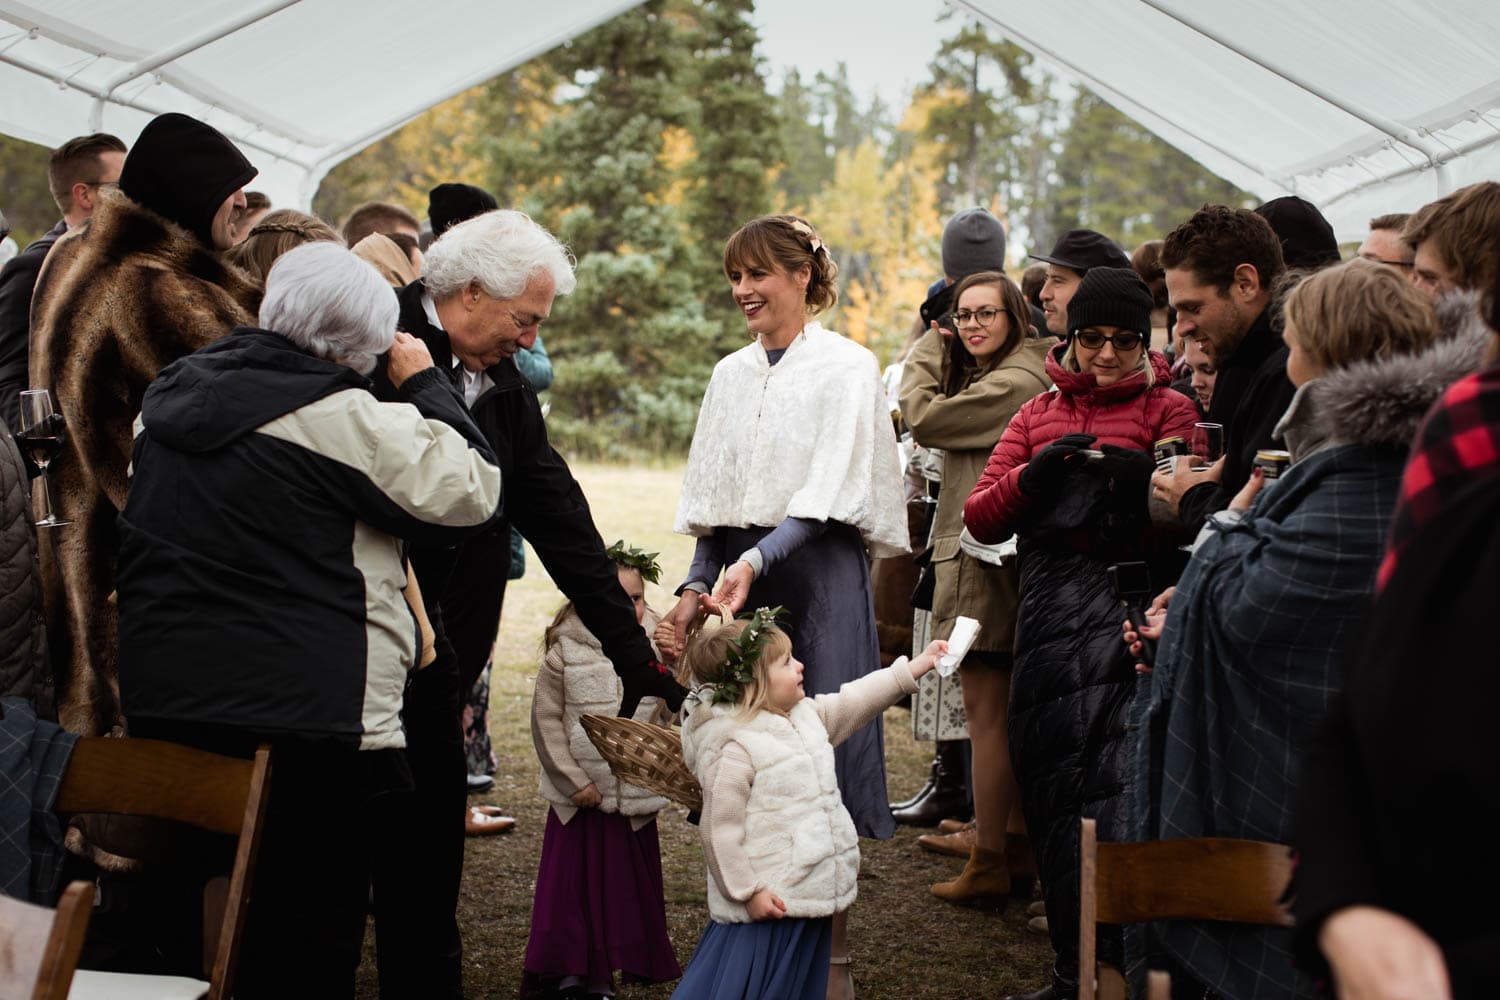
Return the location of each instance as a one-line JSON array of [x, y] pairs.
[[260, 580], [489, 283]]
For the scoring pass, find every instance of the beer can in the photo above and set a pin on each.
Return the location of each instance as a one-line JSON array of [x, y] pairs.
[[1165, 449], [1273, 463]]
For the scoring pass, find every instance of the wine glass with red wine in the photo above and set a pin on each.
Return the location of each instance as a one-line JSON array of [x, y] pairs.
[[41, 438]]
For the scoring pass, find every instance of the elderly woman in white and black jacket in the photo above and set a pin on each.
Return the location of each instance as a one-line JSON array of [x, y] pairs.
[[261, 575]]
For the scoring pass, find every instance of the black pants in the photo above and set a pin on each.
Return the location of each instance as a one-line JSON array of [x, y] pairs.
[[420, 846], [311, 887]]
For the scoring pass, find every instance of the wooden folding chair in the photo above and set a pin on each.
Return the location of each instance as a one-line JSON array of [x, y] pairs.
[[1207, 878], [169, 781], [39, 947]]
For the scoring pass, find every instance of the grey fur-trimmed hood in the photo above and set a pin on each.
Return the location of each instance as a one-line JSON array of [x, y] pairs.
[[1382, 403]]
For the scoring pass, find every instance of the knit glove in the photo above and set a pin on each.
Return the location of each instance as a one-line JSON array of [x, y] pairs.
[[1044, 474], [1129, 470]]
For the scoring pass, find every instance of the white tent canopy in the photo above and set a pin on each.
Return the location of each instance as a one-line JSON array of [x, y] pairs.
[[298, 84], [1360, 106]]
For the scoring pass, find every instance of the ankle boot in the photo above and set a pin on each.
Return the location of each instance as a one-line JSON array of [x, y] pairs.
[[984, 879], [923, 792], [946, 795]]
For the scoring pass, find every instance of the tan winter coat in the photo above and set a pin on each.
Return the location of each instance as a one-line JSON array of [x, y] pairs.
[[577, 679], [117, 300], [966, 427]]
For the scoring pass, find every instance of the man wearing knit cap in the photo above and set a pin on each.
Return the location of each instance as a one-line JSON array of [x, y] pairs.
[[1307, 240], [973, 241], [138, 286], [452, 203], [1071, 258]]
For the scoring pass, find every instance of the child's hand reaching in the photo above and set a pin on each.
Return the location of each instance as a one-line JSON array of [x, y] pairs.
[[765, 905], [929, 657], [587, 798]]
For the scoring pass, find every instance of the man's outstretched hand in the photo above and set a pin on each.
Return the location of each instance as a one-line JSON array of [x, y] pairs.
[[648, 680]]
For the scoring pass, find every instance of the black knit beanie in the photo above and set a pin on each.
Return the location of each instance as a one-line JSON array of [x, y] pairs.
[[1307, 239], [449, 204], [184, 169], [1111, 296], [973, 241]]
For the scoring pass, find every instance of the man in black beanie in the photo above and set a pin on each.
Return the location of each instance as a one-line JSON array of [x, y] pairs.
[[1076, 252], [1307, 240], [136, 287], [451, 203]]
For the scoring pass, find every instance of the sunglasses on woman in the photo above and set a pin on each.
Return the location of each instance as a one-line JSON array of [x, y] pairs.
[[1125, 340]]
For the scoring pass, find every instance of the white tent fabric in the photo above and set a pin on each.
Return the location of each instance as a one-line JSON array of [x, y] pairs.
[[298, 84], [1360, 106]]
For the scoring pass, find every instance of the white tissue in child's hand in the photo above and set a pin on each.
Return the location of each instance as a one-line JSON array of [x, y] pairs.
[[965, 631]]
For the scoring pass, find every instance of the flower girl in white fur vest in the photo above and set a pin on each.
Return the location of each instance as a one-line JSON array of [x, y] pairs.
[[599, 905], [781, 849]]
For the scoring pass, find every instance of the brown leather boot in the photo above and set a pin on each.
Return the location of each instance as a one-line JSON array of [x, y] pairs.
[[984, 879]]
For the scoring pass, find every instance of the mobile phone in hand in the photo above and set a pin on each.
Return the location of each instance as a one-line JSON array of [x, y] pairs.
[[1131, 583]]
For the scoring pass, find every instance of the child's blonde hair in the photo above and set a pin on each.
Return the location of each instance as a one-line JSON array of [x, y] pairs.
[[708, 651]]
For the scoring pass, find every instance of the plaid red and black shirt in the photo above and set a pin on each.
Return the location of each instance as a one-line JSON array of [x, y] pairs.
[[1458, 439]]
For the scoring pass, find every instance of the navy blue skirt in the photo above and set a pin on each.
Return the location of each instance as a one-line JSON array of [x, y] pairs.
[[786, 959], [825, 587]]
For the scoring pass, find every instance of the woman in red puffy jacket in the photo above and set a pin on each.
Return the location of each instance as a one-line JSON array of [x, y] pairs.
[[1070, 477]]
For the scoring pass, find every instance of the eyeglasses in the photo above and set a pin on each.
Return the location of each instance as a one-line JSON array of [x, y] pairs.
[[984, 317], [1129, 340]]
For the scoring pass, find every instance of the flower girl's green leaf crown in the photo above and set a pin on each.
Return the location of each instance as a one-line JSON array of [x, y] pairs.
[[738, 668], [644, 562]]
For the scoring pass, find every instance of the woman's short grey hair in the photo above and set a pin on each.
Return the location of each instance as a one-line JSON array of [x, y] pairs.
[[330, 303], [500, 250]]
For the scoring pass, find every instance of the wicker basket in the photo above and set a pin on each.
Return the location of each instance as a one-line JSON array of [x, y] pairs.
[[645, 755]]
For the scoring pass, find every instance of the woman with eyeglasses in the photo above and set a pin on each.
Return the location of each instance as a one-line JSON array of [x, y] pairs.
[[1070, 478], [958, 391]]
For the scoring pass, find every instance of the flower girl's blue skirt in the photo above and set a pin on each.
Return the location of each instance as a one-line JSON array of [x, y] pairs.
[[783, 959]]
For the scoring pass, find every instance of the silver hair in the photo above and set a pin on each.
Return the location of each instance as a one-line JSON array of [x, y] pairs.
[[500, 250], [330, 303]]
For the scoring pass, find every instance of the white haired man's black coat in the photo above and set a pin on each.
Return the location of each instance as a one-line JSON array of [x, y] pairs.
[[416, 892]]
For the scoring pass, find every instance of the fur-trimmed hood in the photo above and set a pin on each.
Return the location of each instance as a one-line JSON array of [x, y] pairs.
[[1381, 403]]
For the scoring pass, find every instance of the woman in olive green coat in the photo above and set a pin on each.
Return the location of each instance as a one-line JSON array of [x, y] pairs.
[[958, 392]]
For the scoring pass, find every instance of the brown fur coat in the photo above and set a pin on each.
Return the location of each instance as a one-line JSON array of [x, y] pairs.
[[117, 300]]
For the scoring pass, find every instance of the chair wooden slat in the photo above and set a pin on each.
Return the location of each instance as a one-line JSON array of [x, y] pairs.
[[1242, 881]]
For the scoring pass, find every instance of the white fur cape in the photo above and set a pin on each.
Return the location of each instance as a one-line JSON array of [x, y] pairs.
[[808, 437]]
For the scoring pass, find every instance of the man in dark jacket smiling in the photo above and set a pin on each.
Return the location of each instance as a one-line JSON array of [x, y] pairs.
[[489, 284], [260, 580], [1221, 266]]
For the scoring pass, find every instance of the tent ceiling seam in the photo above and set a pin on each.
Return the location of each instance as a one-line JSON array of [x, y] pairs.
[[1380, 123], [1099, 85], [199, 41], [544, 45], [136, 105], [55, 74]]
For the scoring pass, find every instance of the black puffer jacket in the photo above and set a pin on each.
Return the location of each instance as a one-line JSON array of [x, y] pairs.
[[23, 670], [1072, 687]]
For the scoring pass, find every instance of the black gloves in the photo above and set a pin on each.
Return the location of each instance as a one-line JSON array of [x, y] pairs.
[[1044, 474], [1129, 471], [650, 678]]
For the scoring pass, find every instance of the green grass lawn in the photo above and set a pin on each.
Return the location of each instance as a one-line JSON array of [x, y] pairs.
[[906, 944]]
